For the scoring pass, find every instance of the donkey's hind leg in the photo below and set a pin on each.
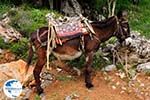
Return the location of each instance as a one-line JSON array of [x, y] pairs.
[[41, 53]]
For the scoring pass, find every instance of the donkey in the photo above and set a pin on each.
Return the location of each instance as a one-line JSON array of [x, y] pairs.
[[114, 26]]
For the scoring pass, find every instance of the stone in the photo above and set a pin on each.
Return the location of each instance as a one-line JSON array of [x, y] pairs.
[[73, 96], [71, 8], [113, 87], [145, 67], [109, 68], [1, 51], [138, 44], [15, 70], [8, 33]]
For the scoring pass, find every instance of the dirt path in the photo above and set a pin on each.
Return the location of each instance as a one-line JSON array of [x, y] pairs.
[[108, 86], [74, 88]]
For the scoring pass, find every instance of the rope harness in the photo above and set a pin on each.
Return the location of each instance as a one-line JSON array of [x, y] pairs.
[[51, 44]]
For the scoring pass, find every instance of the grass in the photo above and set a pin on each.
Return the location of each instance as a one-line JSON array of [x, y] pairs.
[[64, 78], [139, 18], [138, 15], [37, 97]]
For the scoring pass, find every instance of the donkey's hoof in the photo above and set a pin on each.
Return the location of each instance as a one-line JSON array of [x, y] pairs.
[[89, 85], [39, 91]]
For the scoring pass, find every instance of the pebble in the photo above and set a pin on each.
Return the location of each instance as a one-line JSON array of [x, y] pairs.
[[109, 68], [142, 93], [122, 92], [59, 69], [142, 84], [113, 87], [122, 75], [146, 94], [68, 98], [72, 96], [1, 51], [42, 96], [123, 88], [118, 83]]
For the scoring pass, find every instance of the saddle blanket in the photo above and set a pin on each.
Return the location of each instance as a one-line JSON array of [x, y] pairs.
[[72, 29]]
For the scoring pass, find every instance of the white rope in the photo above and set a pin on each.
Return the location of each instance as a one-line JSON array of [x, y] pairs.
[[48, 45], [51, 40]]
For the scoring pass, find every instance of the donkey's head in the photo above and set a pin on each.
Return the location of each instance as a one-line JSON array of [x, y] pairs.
[[123, 30]]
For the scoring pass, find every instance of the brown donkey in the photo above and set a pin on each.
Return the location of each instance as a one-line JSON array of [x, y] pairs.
[[114, 26]]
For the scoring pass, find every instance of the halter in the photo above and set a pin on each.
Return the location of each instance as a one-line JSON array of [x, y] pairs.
[[118, 27]]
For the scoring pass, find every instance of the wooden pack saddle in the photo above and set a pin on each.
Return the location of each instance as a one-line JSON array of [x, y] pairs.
[[70, 28]]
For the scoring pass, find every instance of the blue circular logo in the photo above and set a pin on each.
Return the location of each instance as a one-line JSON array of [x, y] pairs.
[[12, 88]]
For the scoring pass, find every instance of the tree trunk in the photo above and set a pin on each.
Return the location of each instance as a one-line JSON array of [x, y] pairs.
[[111, 7]]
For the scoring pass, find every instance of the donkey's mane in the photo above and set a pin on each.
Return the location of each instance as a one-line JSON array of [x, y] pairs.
[[104, 23]]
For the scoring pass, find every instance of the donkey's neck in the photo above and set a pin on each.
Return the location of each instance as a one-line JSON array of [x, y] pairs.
[[106, 32]]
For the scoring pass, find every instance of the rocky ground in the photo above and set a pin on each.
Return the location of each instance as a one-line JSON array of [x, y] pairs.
[[108, 86], [61, 84]]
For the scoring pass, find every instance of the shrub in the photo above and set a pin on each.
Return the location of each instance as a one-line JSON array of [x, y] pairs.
[[3, 45], [20, 48]]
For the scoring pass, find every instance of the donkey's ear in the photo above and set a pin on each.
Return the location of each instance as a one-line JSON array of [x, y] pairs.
[[122, 14]]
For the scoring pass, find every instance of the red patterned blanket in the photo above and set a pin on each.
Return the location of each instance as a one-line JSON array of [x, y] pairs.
[[72, 29]]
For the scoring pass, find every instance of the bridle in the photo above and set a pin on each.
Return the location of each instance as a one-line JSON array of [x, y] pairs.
[[120, 28]]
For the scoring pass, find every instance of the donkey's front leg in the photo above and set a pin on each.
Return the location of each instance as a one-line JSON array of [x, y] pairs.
[[41, 52], [88, 69]]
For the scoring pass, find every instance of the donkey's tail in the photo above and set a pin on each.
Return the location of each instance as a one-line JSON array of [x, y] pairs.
[[30, 55]]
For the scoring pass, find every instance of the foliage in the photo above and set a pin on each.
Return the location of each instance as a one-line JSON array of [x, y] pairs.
[[139, 18], [138, 14], [37, 97], [3, 9], [25, 19], [20, 48], [79, 62], [64, 78], [3, 45], [98, 62]]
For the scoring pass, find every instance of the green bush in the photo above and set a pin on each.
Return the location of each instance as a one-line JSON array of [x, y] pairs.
[[98, 61], [20, 48], [3, 45], [27, 20]]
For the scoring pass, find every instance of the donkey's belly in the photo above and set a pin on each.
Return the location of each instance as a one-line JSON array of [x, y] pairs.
[[67, 56]]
